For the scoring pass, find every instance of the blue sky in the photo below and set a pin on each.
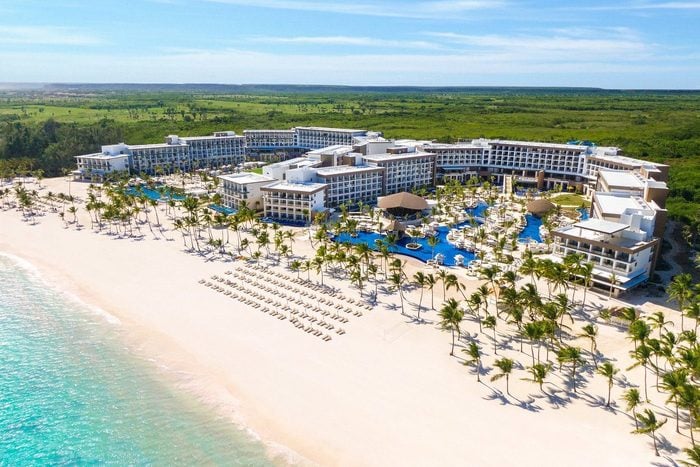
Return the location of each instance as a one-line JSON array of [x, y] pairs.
[[623, 44]]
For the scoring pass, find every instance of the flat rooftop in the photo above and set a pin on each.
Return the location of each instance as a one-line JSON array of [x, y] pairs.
[[601, 226], [246, 178], [342, 169], [295, 187], [617, 179], [269, 131], [102, 156], [617, 205], [180, 144], [538, 144], [390, 157], [288, 162], [336, 130]]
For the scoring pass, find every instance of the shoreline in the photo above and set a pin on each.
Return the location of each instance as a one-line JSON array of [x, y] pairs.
[[385, 393], [169, 364]]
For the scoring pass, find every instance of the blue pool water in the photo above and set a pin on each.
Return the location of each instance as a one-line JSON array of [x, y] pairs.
[[531, 230], [72, 392], [426, 252], [153, 194], [222, 209], [584, 213]]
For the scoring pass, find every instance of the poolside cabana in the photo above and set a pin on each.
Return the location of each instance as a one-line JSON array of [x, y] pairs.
[[540, 207], [402, 204]]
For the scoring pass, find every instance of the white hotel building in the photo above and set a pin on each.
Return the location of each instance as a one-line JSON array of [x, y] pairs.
[[351, 184], [313, 137], [404, 170], [244, 189], [293, 202], [183, 154]]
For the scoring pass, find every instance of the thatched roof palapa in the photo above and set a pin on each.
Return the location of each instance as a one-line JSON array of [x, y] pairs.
[[540, 207], [403, 200]]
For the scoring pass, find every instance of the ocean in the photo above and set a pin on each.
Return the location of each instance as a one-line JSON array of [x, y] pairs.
[[73, 393]]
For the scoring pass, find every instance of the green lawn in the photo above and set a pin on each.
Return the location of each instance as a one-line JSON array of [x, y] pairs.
[[570, 199]]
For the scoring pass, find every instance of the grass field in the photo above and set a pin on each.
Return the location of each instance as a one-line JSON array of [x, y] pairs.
[[658, 126]]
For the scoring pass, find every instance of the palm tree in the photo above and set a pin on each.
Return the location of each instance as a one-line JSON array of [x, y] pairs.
[[572, 356], [420, 280], [506, 366], [693, 454], [693, 311], [590, 331], [674, 383], [539, 373], [642, 356], [633, 400], [433, 241], [690, 400], [490, 323], [451, 316], [396, 281], [680, 290], [533, 332], [609, 371], [474, 353], [649, 424], [430, 282], [613, 282], [658, 321], [586, 272]]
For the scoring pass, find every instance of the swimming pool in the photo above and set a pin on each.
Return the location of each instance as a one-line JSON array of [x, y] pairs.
[[584, 213], [531, 230], [153, 194], [222, 209]]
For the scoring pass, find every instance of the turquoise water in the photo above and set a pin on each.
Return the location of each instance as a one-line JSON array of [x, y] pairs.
[[72, 394], [153, 194], [222, 209], [426, 252], [531, 230]]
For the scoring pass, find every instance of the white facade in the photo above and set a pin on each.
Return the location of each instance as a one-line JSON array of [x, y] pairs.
[[321, 137], [269, 139], [293, 202], [223, 148], [622, 253], [350, 184], [243, 189], [404, 171], [96, 166]]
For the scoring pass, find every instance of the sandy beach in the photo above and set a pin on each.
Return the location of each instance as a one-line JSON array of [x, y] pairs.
[[384, 393]]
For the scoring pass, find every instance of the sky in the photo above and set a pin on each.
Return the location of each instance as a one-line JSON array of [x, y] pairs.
[[637, 44]]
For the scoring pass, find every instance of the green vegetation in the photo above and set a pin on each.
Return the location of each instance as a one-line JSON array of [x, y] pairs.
[[571, 199], [49, 128]]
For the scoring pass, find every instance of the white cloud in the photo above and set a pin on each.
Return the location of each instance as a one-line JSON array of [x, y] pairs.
[[590, 44], [642, 6], [238, 66], [394, 9], [355, 41], [45, 35]]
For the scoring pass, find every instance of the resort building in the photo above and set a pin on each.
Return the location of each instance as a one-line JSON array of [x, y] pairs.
[[313, 137], [404, 170], [222, 149], [243, 189], [285, 169], [351, 184], [94, 167], [169, 157], [183, 154], [293, 202], [271, 145], [622, 253]]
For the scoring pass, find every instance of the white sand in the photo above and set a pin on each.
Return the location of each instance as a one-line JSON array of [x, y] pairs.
[[385, 393]]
